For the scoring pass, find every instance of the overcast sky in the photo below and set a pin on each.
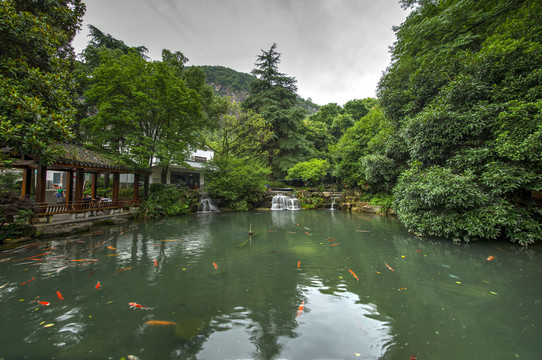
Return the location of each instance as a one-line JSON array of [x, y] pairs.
[[336, 49]]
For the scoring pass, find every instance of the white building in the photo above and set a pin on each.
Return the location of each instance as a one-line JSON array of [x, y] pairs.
[[190, 176]]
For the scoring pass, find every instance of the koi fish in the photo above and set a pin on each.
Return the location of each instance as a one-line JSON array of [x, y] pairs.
[[300, 310], [83, 260], [59, 295], [159, 323], [125, 269], [330, 239], [160, 245], [98, 285], [298, 264], [112, 248], [92, 272], [335, 244], [215, 265], [138, 306], [29, 281], [60, 269], [353, 274], [413, 357], [418, 251], [389, 267], [307, 233], [155, 263], [489, 258], [44, 303]]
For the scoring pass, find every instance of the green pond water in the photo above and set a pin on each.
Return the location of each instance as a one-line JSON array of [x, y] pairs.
[[288, 292]]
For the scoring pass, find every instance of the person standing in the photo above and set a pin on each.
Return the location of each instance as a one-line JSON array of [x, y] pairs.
[[59, 195]]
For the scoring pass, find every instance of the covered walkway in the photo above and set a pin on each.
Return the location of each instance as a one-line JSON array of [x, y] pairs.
[[75, 162]]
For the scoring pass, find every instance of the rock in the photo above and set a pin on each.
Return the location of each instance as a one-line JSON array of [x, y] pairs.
[[62, 230]]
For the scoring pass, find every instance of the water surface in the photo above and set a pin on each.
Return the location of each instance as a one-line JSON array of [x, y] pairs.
[[287, 292]]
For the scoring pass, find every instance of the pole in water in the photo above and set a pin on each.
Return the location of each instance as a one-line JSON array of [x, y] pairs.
[[250, 232]]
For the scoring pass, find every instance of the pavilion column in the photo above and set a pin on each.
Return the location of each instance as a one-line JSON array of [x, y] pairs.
[[94, 186], [69, 187], [136, 189], [116, 186], [27, 183], [79, 184], [41, 180]]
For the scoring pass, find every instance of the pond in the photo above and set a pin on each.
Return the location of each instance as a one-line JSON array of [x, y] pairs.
[[306, 285]]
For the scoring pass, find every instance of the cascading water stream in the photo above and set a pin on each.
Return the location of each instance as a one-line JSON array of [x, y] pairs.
[[283, 202], [206, 204]]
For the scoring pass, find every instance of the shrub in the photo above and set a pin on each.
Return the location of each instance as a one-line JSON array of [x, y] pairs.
[[238, 182], [437, 202], [15, 212], [166, 201]]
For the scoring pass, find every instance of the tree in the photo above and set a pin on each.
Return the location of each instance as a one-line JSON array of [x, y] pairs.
[[36, 83], [464, 93], [353, 145], [148, 110], [273, 95], [313, 171], [240, 133]]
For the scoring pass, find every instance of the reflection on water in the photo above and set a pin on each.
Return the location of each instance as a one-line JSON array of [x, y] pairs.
[[307, 284]]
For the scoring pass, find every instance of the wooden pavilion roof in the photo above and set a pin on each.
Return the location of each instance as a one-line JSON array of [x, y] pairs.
[[71, 156]]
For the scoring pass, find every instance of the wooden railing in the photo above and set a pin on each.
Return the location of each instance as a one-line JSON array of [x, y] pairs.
[[84, 206]]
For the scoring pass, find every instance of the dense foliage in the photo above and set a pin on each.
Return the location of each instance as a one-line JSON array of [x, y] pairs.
[[166, 200], [464, 93], [313, 172], [37, 91], [240, 184]]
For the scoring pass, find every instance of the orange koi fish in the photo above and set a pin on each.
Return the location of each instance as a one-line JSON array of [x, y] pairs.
[[307, 233], [59, 295], [298, 264], [335, 244], [489, 258], [389, 267], [353, 274], [413, 357], [44, 303], [98, 285], [138, 306], [112, 248], [300, 310], [215, 265], [159, 323], [418, 251], [155, 263], [26, 282], [330, 239]]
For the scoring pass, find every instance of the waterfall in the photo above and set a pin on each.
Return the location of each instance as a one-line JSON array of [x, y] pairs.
[[333, 204], [283, 202], [206, 204]]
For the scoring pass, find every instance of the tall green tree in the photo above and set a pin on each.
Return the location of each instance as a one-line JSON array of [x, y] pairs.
[[464, 92], [240, 133], [146, 107], [36, 82], [273, 95]]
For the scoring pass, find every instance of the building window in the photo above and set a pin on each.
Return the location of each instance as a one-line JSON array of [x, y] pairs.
[[57, 178]]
